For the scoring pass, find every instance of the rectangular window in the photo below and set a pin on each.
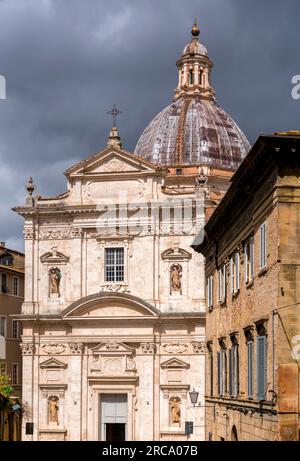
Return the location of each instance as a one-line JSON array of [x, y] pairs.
[[3, 368], [261, 371], [234, 371], [15, 374], [3, 326], [250, 369], [222, 372], [4, 286], [210, 288], [114, 264], [262, 246], [16, 286], [15, 329]]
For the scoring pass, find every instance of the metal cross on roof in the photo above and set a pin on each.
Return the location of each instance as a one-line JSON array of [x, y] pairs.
[[114, 112]]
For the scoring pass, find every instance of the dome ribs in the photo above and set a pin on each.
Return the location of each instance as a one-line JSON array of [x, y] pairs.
[[180, 144]]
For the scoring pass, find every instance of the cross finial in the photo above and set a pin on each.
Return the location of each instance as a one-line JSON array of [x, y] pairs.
[[114, 113]]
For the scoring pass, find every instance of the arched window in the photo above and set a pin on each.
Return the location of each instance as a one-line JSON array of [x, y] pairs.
[[191, 76], [6, 260], [200, 76]]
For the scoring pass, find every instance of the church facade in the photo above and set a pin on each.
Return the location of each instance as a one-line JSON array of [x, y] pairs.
[[114, 311]]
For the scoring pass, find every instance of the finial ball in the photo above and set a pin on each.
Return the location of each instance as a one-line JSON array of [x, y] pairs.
[[195, 29]]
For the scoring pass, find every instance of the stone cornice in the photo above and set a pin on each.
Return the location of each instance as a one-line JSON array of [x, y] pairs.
[[163, 316]]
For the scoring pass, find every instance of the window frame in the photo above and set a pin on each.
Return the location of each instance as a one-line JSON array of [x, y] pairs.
[[4, 370], [220, 288], [220, 373], [114, 265], [6, 290], [250, 363], [232, 272], [210, 292], [262, 246], [3, 317], [234, 371], [15, 369], [17, 329], [237, 272], [211, 373], [261, 344], [16, 279], [222, 284]]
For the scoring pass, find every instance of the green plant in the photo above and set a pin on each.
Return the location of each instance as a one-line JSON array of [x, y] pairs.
[[5, 386]]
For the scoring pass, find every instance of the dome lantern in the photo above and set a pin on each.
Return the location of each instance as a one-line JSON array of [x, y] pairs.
[[194, 69], [194, 129]]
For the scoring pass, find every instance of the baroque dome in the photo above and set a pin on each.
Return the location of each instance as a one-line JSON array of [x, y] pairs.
[[194, 129]]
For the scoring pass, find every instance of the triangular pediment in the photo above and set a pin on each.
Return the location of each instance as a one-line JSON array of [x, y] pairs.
[[113, 234], [111, 161], [53, 256], [174, 363], [112, 347], [175, 254], [53, 363]]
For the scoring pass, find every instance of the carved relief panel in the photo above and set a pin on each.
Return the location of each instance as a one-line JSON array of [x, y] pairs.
[[112, 359]]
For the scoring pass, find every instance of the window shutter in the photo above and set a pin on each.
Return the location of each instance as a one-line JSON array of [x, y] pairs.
[[219, 373], [230, 372], [231, 276], [210, 291], [246, 269], [211, 374], [252, 257], [224, 371], [262, 250], [219, 285], [207, 291], [224, 282], [250, 369], [261, 367], [236, 370], [237, 271]]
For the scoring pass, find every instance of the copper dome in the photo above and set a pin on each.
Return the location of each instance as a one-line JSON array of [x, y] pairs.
[[191, 132], [194, 129]]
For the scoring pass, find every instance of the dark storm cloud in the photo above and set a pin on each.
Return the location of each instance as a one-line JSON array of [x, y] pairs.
[[67, 61]]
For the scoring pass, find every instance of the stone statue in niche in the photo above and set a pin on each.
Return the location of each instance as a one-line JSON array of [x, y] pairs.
[[54, 281], [175, 410], [176, 274], [53, 409]]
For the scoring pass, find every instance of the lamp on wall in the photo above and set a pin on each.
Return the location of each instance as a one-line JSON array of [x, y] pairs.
[[194, 396]]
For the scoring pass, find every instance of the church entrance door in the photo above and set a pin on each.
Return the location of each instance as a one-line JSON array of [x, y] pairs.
[[113, 417]]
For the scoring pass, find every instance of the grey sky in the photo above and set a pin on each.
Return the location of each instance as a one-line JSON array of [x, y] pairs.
[[66, 62]]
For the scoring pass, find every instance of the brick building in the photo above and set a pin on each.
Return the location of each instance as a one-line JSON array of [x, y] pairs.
[[11, 298], [252, 251]]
